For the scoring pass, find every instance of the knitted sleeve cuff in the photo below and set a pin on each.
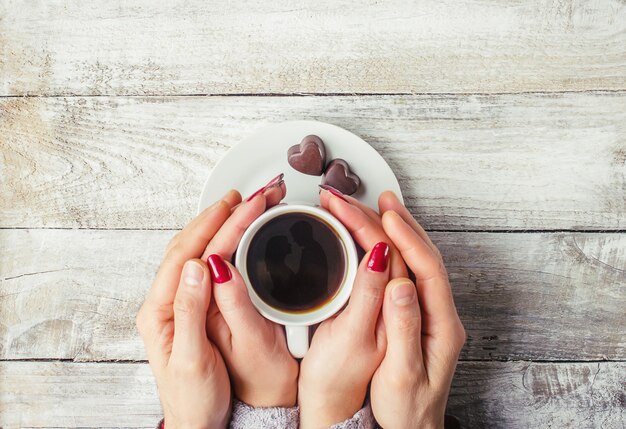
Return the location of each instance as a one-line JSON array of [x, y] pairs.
[[244, 417]]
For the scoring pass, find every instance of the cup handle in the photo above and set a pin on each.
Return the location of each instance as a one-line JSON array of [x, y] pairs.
[[297, 340]]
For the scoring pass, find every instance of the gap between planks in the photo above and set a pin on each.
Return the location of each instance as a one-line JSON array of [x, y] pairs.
[[321, 94]]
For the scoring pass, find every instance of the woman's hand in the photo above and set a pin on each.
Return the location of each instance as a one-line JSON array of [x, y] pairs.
[[190, 373], [424, 334], [263, 372], [347, 349], [364, 224]]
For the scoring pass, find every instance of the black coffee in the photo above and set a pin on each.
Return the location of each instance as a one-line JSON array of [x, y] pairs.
[[296, 262]]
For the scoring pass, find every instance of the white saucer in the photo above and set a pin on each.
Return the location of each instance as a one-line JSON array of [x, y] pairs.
[[256, 160]]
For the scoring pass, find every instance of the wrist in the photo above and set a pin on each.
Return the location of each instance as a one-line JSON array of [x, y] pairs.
[[286, 394], [213, 422], [286, 399], [260, 398], [269, 401], [325, 412]]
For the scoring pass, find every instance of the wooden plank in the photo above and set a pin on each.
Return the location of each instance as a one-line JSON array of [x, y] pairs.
[[499, 162], [520, 296], [539, 296], [62, 394], [484, 394], [283, 47], [539, 395]]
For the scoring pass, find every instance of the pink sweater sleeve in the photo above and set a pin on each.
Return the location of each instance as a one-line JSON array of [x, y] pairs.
[[244, 416]]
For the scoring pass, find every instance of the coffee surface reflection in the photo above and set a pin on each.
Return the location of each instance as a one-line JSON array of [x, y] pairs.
[[296, 262]]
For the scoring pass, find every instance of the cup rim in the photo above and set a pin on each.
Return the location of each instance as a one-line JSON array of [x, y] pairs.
[[330, 307]]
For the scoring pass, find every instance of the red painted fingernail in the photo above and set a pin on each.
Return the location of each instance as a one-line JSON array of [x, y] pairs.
[[379, 257], [276, 181], [333, 191], [219, 270]]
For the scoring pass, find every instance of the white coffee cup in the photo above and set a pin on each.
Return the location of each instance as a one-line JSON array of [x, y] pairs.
[[297, 323]]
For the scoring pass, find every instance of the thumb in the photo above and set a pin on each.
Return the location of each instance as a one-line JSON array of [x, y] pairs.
[[190, 308], [232, 299], [403, 326]]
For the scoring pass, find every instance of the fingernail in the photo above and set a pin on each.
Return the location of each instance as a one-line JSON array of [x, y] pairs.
[[192, 274], [403, 294], [276, 185], [333, 191], [219, 270], [276, 181], [378, 257]]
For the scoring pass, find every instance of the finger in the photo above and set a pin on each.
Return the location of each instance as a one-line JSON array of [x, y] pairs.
[[217, 329], [365, 232], [381, 334], [156, 330], [367, 294], [276, 182], [325, 197], [232, 198], [327, 193], [389, 201], [433, 287], [274, 196], [232, 299], [370, 212], [401, 312], [191, 244], [226, 240], [190, 308]]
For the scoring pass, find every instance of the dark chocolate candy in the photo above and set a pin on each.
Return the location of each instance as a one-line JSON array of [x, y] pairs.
[[339, 176], [308, 157]]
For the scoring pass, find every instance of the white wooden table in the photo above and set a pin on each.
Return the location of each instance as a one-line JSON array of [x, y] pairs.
[[505, 121]]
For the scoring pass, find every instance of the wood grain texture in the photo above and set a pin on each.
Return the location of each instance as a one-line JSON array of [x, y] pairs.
[[539, 395], [484, 395], [433, 46], [67, 294], [500, 162], [61, 394]]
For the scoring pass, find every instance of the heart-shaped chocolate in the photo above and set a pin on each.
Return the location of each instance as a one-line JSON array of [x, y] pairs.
[[309, 156], [339, 176]]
